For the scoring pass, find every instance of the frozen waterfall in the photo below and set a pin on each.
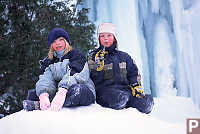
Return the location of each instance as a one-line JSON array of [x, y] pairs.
[[162, 36]]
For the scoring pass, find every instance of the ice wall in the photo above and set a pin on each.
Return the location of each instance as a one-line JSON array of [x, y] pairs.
[[177, 69], [163, 38], [187, 32]]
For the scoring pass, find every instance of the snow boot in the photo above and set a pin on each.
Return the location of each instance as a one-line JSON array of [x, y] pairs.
[[1, 116], [31, 105], [145, 104]]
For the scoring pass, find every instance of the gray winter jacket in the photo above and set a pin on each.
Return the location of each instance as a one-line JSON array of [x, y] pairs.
[[58, 75]]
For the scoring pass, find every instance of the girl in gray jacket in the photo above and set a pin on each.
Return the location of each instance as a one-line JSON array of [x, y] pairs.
[[64, 77]]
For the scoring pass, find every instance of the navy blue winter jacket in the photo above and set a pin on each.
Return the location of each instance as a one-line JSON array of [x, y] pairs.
[[119, 70]]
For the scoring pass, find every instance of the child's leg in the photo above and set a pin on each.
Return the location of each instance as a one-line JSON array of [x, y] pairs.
[[112, 98], [79, 95]]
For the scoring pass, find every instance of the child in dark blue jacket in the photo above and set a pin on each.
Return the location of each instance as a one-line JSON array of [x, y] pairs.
[[115, 75]]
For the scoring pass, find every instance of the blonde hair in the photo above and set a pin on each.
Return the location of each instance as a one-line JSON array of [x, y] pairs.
[[51, 50]]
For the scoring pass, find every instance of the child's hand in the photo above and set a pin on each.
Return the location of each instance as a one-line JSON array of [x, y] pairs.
[[58, 100], [44, 101], [137, 91]]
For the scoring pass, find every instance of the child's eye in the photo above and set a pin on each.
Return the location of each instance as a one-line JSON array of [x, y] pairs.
[[101, 36]]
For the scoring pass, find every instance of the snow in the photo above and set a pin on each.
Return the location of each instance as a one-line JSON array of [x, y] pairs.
[[168, 117]]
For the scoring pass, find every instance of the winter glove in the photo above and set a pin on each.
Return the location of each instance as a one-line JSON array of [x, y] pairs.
[[137, 91], [59, 99], [44, 101]]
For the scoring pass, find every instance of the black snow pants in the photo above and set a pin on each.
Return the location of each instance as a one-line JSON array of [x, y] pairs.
[[123, 98], [77, 95]]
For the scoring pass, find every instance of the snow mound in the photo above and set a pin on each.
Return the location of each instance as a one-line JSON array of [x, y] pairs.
[[168, 116]]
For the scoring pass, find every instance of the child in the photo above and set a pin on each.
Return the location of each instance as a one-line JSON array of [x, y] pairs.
[[115, 75], [64, 77]]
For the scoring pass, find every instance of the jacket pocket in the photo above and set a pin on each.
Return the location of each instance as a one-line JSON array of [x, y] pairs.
[[123, 70], [108, 72]]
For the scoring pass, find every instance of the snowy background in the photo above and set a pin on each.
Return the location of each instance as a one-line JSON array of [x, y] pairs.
[[163, 38]]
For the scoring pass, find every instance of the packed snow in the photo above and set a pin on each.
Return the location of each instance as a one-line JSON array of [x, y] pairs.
[[168, 117]]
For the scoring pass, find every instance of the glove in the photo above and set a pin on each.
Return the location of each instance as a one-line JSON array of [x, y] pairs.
[[58, 100], [44, 101], [137, 91]]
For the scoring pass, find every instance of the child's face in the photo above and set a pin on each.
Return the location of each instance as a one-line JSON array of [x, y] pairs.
[[106, 39], [59, 44]]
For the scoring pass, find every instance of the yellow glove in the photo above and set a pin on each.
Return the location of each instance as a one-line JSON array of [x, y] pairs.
[[137, 91]]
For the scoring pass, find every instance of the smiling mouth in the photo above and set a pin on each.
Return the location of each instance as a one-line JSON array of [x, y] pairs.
[[59, 47]]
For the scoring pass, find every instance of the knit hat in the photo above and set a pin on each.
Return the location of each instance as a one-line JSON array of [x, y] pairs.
[[107, 28], [56, 33]]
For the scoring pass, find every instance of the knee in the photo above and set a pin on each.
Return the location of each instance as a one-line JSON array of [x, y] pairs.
[[86, 95], [122, 101], [82, 94], [74, 90], [116, 100]]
